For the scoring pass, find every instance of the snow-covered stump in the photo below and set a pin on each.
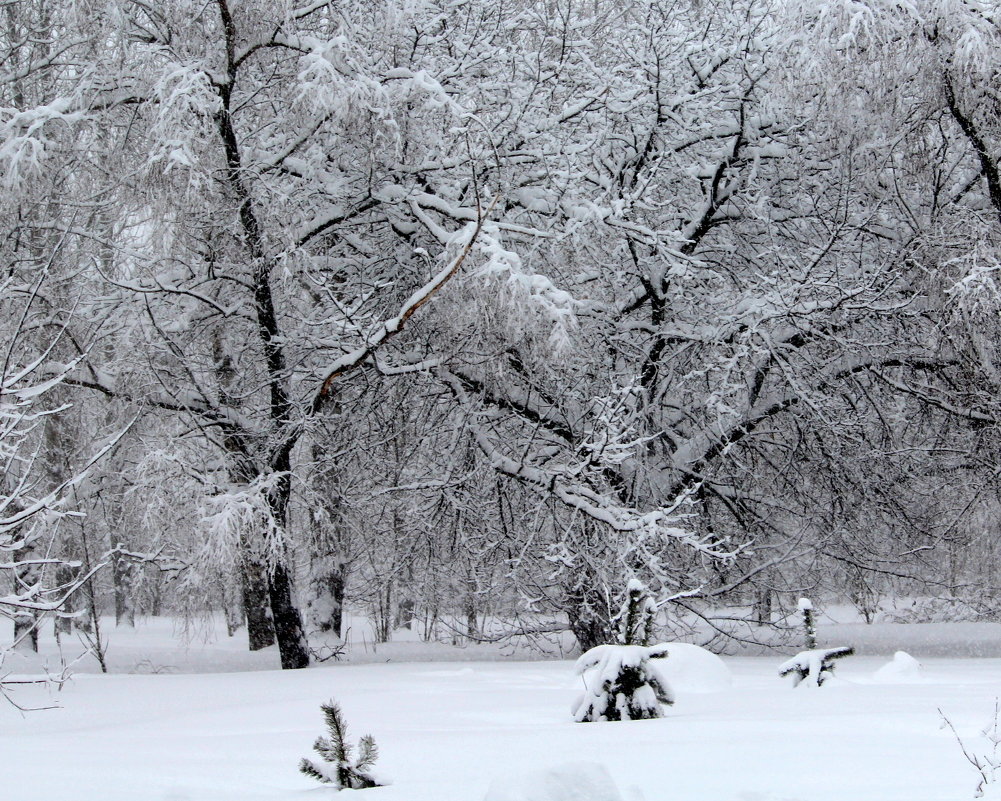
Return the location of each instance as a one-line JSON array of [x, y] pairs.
[[814, 666], [621, 683]]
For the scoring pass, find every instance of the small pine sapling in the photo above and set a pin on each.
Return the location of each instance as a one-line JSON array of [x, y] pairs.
[[635, 620], [813, 665], [621, 683], [344, 771], [809, 627]]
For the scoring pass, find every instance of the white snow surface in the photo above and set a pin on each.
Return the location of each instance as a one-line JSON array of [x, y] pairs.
[[692, 669], [446, 731], [572, 781], [902, 668]]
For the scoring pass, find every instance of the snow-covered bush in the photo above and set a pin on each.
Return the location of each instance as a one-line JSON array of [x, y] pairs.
[[815, 666], [621, 683], [343, 770]]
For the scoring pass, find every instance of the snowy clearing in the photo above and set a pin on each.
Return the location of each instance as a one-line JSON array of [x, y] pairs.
[[450, 732]]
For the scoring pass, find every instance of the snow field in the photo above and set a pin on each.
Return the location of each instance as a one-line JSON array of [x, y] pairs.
[[451, 732]]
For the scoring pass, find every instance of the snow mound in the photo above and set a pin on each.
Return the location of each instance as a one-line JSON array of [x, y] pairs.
[[692, 669], [571, 781], [902, 668]]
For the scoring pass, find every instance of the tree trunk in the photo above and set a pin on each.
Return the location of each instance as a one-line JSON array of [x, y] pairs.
[[123, 576], [327, 581], [289, 633], [406, 610], [763, 605], [26, 632], [25, 620], [472, 624], [328, 564], [589, 617], [288, 624], [256, 602]]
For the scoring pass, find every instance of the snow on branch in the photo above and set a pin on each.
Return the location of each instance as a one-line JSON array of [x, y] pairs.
[[411, 306], [232, 517], [659, 523], [24, 137], [35, 598]]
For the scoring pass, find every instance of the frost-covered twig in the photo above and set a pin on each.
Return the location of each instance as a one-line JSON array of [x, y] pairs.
[[987, 760]]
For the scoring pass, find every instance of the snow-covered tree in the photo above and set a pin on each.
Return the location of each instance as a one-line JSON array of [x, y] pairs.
[[812, 665], [727, 325], [621, 683], [45, 328]]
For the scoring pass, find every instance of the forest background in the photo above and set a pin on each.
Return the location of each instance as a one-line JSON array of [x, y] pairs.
[[465, 313]]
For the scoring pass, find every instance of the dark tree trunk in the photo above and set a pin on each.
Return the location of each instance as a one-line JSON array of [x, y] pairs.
[[256, 602], [338, 583], [288, 624], [472, 624], [26, 632], [589, 618], [63, 623], [289, 633]]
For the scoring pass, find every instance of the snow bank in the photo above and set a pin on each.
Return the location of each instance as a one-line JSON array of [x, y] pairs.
[[691, 669], [571, 781], [903, 668]]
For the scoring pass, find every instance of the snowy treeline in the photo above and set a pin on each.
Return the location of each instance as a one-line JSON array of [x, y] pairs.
[[463, 311]]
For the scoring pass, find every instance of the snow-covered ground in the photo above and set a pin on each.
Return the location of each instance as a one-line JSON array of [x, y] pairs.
[[447, 732]]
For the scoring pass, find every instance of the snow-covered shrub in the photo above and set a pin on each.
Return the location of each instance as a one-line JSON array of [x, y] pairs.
[[635, 619], [815, 666], [621, 683], [343, 770]]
